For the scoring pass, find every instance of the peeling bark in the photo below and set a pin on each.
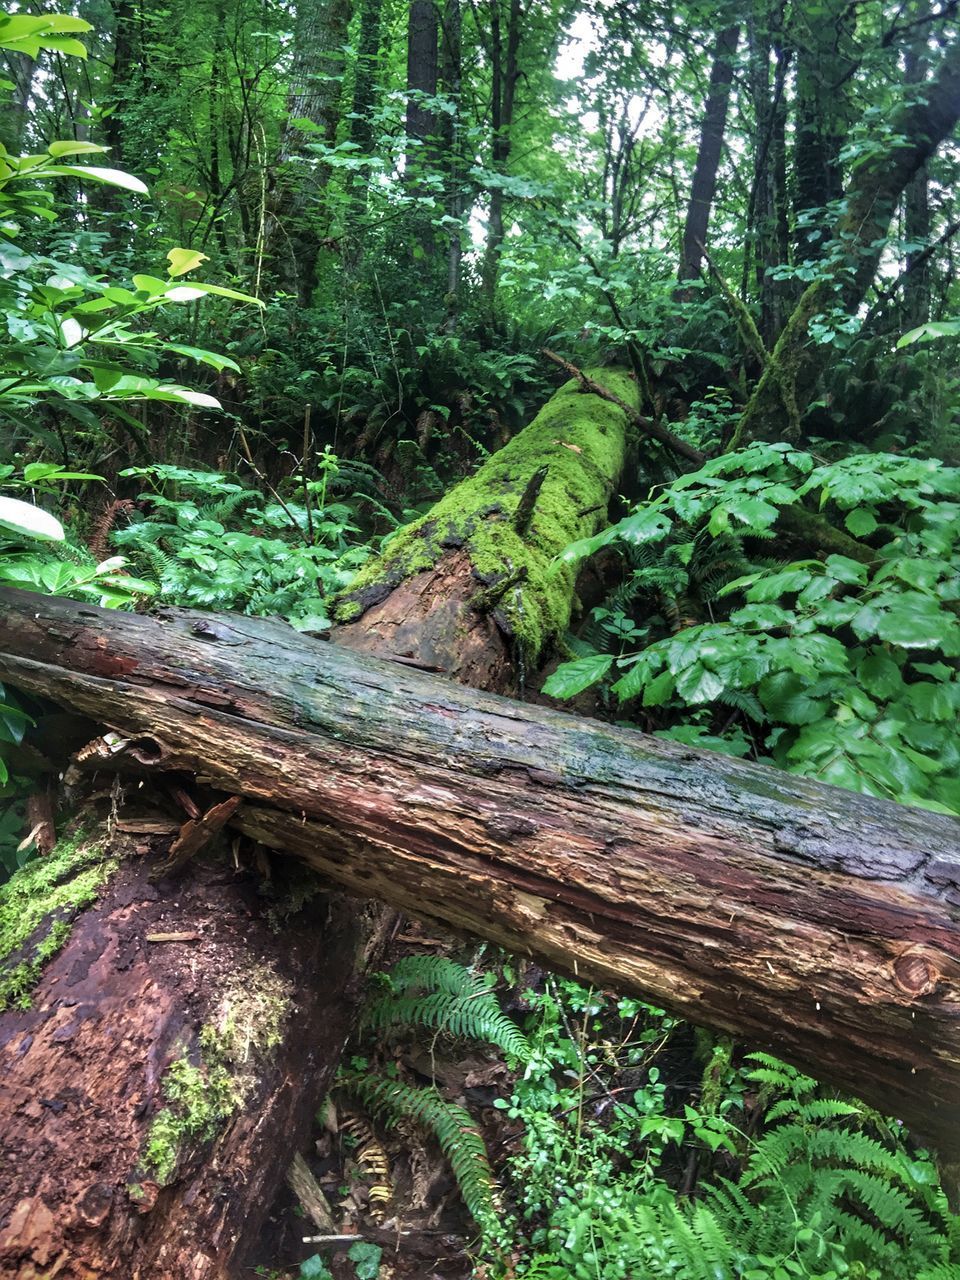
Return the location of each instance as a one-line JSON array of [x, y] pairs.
[[822, 924]]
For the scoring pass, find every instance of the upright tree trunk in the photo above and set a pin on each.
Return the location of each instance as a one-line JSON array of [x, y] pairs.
[[296, 225], [361, 123], [451, 73], [822, 113], [422, 125], [505, 73], [876, 185], [916, 203], [176, 1048], [704, 183], [422, 72], [767, 235]]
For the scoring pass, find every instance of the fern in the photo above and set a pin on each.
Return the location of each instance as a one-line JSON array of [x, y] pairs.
[[461, 1004], [451, 1125]]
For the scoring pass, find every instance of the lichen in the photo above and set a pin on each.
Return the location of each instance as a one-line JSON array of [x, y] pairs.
[[582, 439], [37, 908], [204, 1087]]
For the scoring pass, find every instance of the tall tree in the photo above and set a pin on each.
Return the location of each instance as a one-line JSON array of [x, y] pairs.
[[767, 227], [704, 184], [504, 54], [296, 227], [825, 60], [873, 192]]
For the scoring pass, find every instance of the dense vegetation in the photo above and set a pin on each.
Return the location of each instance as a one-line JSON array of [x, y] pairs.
[[394, 209]]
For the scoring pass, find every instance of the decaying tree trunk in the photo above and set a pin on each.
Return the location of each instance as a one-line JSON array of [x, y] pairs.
[[820, 923], [472, 589], [184, 987]]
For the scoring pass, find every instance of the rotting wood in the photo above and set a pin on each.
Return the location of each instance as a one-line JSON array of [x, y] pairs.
[[822, 924]]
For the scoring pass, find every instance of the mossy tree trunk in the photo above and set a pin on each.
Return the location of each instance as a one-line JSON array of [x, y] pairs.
[[149, 1106], [849, 262], [472, 589]]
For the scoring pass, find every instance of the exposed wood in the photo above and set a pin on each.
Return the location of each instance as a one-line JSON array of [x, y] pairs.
[[195, 835], [82, 1076], [820, 923]]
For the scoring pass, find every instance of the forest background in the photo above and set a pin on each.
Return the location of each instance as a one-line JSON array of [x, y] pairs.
[[751, 209]]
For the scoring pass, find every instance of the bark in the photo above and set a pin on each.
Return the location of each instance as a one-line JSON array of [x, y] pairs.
[[825, 59], [114, 1010], [361, 123], [422, 46], [704, 183], [505, 74], [916, 213], [767, 211], [850, 262], [84, 1072], [294, 232], [465, 591], [816, 922], [453, 160]]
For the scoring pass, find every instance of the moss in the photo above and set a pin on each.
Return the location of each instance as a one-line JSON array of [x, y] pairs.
[[37, 908], [583, 440], [202, 1094]]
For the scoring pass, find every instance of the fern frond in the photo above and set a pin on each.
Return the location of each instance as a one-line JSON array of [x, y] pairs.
[[451, 1125], [432, 972], [476, 1016]]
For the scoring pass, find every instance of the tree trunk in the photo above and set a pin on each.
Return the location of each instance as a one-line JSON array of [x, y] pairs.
[[295, 230], [810, 920], [472, 588], [916, 211], [825, 59], [453, 160], [361, 123], [93, 1202], [422, 64], [505, 72], [767, 238], [875, 187], [704, 183]]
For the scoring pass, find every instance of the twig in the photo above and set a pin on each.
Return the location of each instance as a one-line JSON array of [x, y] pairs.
[[646, 425]]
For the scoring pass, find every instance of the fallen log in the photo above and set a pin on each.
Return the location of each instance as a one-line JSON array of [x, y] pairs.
[[474, 573], [819, 923]]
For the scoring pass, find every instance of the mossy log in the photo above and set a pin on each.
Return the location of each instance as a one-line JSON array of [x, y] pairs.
[[116, 1178], [472, 588], [819, 923]]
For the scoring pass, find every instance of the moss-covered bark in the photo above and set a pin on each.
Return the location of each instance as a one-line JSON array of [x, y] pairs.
[[37, 909], [480, 568]]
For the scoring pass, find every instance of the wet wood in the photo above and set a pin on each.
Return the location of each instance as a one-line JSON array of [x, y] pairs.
[[822, 924]]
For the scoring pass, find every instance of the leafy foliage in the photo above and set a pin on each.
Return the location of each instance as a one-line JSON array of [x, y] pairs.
[[841, 667]]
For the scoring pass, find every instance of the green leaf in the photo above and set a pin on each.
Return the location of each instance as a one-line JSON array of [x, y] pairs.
[[571, 678], [26, 519], [785, 698], [880, 675], [94, 173], [365, 1257], [860, 522], [184, 260], [915, 622], [211, 358], [74, 147]]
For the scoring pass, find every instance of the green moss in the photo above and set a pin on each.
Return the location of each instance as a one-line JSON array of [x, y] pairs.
[[201, 1095], [37, 908], [201, 1098], [582, 439]]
